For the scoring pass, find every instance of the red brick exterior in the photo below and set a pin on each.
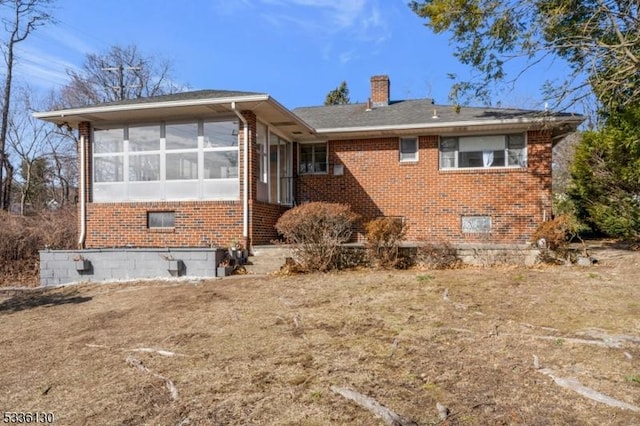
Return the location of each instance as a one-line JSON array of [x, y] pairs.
[[433, 201], [374, 182], [197, 223], [263, 218]]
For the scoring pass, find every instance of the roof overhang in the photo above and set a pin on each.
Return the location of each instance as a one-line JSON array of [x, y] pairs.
[[560, 126], [263, 106]]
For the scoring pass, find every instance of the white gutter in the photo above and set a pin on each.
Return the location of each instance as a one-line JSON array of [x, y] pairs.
[[83, 213], [245, 177], [447, 124]]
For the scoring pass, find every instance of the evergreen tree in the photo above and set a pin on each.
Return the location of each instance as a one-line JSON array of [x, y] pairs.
[[606, 176], [338, 96]]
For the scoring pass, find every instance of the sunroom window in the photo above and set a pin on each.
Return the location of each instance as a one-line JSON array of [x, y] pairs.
[[166, 161], [483, 151]]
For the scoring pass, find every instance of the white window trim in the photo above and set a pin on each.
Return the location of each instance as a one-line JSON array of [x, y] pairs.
[[326, 144], [417, 153], [506, 151], [126, 154]]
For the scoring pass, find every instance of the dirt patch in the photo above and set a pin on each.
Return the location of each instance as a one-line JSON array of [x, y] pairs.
[[256, 350]]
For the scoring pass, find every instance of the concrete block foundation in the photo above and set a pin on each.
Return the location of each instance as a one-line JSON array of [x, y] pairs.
[[59, 267]]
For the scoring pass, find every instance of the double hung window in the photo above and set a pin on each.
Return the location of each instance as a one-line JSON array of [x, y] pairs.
[[408, 149]]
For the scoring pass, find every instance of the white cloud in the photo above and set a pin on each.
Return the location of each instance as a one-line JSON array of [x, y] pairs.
[[359, 19], [341, 27], [41, 69]]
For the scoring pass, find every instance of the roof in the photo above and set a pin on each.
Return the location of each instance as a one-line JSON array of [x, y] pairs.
[[205, 104], [422, 115], [399, 118], [185, 96]]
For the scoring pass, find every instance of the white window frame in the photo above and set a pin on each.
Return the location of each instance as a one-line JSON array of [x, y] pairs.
[[163, 189], [313, 158], [456, 152], [409, 157]]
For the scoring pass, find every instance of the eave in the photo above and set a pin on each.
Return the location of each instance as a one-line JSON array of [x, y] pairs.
[[264, 106], [559, 126]]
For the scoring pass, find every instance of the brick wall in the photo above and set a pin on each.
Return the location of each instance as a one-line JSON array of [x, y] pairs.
[[375, 183], [197, 224], [432, 201], [263, 218]]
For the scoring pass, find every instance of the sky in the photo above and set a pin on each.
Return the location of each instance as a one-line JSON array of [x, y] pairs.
[[295, 50]]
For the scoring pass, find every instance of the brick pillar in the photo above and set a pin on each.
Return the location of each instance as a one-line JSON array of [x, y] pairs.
[[380, 87]]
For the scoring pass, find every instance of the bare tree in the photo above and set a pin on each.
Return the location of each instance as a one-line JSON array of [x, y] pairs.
[[28, 140], [120, 73], [23, 18]]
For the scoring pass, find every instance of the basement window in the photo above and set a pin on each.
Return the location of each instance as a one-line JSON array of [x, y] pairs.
[[161, 220], [476, 224]]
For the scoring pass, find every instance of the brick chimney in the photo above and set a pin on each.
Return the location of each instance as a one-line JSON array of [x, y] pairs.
[[380, 90]]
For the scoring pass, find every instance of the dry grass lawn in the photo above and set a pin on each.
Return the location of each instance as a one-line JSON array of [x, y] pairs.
[[265, 350]]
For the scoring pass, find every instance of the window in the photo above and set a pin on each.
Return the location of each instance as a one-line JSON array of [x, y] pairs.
[[313, 158], [483, 151], [166, 161], [108, 148], [408, 149], [161, 219], [261, 140]]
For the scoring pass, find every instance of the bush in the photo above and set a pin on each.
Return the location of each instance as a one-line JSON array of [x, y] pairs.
[[437, 256], [554, 237], [384, 236], [556, 234], [21, 237], [316, 231]]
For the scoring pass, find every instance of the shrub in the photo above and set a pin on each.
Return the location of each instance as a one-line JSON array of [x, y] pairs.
[[554, 236], [384, 236], [21, 237], [316, 231], [439, 255]]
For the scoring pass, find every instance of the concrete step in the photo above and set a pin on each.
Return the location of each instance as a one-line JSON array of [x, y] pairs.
[[267, 259]]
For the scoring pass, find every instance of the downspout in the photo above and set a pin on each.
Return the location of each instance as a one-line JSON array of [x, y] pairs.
[[245, 175], [83, 213]]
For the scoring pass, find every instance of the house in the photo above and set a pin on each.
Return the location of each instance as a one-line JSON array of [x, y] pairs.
[[174, 171]]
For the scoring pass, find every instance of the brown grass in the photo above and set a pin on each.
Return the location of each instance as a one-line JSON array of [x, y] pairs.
[[265, 350]]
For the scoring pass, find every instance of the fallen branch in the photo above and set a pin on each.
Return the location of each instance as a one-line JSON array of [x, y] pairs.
[[576, 386], [173, 391], [394, 347], [155, 351], [388, 417], [147, 350]]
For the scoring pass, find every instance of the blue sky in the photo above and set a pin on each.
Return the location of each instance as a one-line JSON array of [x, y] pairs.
[[295, 50]]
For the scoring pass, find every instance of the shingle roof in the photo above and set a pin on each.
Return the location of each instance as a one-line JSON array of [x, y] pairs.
[[185, 96], [408, 112]]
